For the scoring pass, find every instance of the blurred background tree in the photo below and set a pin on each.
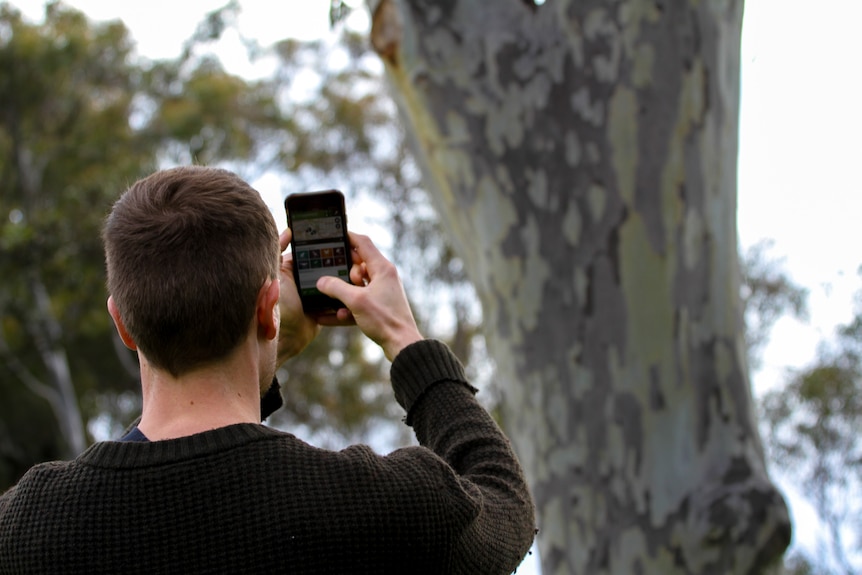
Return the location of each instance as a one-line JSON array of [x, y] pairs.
[[83, 117], [812, 423], [66, 146], [814, 426]]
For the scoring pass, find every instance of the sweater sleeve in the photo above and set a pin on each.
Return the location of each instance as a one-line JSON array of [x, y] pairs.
[[5, 499], [430, 383]]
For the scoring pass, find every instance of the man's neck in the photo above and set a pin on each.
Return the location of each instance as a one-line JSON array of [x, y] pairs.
[[208, 398]]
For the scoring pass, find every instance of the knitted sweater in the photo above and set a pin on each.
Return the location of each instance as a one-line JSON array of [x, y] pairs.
[[249, 499]]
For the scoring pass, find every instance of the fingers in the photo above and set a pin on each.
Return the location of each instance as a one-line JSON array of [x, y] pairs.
[[377, 303], [297, 330], [359, 274], [341, 317], [365, 251]]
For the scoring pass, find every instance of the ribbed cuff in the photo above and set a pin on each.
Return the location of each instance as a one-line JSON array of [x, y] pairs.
[[419, 366]]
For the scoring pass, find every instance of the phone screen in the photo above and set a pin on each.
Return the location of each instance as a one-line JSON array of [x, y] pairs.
[[320, 245]]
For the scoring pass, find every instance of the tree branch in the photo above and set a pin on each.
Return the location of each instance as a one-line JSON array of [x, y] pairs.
[[47, 335], [25, 375]]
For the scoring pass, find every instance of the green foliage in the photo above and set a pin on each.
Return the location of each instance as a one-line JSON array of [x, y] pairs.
[[331, 382], [22, 412], [799, 564], [767, 294], [814, 429], [66, 147], [812, 423], [80, 119]]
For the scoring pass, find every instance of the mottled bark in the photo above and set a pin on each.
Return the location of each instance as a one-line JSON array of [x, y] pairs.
[[582, 155]]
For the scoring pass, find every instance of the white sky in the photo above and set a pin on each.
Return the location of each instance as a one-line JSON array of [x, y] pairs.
[[800, 174], [800, 165]]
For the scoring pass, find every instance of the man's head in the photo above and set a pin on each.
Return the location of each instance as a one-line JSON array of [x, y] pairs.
[[188, 250]]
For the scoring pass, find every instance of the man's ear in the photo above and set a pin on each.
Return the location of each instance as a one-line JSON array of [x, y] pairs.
[[121, 327], [268, 317]]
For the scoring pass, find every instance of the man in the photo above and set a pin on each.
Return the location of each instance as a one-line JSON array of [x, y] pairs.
[[198, 287]]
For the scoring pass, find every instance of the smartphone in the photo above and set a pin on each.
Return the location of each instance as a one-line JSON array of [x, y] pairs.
[[320, 245]]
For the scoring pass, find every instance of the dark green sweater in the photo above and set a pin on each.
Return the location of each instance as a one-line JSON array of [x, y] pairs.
[[247, 498]]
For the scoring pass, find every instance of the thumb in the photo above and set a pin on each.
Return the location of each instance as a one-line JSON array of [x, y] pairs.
[[284, 239]]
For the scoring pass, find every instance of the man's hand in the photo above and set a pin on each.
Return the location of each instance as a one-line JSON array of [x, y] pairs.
[[376, 302], [297, 329]]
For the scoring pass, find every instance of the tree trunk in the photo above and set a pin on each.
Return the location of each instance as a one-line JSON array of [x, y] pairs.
[[47, 334], [582, 156], [44, 327]]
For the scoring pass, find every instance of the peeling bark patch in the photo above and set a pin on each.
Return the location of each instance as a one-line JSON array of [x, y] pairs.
[[645, 283], [571, 228], [590, 110], [530, 300], [736, 384], [656, 397], [604, 47], [494, 216], [642, 68], [597, 198], [573, 149], [623, 139], [627, 415], [693, 240], [607, 313], [703, 373], [537, 188], [739, 510]]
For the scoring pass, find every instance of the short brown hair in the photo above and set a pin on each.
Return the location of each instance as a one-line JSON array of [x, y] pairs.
[[187, 251]]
